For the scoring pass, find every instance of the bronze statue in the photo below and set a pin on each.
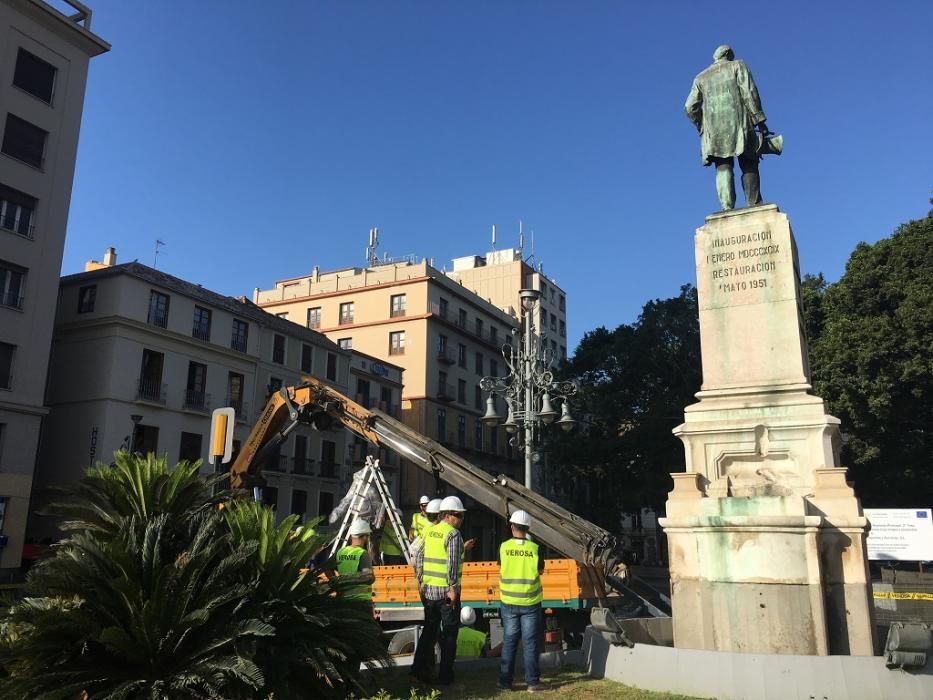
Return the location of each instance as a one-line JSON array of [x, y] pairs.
[[724, 106]]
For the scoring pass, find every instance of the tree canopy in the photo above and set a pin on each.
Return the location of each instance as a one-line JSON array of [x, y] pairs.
[[871, 355]]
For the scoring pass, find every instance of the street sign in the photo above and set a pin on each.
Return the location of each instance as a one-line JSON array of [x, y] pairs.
[[900, 534]]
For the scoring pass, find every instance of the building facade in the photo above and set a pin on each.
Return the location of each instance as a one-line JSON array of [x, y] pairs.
[[141, 358], [500, 275], [444, 336], [44, 57]]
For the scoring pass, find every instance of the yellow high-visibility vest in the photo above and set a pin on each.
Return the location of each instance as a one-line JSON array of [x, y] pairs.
[[470, 642], [348, 562], [519, 581], [435, 556], [418, 523], [389, 543]]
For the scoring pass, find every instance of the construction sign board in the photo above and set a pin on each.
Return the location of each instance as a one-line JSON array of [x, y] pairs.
[[900, 534]]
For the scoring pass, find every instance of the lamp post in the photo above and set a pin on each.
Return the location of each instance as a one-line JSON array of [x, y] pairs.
[[529, 388]]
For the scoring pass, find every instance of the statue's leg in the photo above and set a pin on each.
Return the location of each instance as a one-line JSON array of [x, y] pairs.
[[751, 182], [725, 183]]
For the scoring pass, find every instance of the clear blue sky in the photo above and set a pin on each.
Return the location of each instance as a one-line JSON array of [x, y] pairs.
[[261, 139]]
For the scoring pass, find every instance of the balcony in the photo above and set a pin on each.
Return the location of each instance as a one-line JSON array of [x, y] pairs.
[[444, 356], [12, 299], [328, 470], [201, 331], [151, 390], [302, 465], [238, 343], [364, 400], [445, 392], [197, 401], [240, 408], [158, 318]]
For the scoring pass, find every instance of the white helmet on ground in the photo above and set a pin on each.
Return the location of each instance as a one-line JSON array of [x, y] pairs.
[[520, 517], [434, 507], [359, 527], [424, 500], [467, 615], [452, 504]]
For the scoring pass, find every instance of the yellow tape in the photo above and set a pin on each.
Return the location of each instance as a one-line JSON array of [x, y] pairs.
[[903, 595]]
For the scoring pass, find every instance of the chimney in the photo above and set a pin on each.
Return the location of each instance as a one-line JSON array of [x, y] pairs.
[[110, 259]]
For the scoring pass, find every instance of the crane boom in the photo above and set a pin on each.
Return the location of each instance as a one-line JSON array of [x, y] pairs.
[[314, 402]]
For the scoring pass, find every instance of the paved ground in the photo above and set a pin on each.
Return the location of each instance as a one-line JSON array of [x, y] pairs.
[[478, 681]]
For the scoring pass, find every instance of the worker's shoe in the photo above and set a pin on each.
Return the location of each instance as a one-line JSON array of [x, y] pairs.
[[535, 689], [505, 688]]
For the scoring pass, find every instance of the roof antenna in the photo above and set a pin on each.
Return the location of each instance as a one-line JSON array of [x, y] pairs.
[[155, 259], [521, 237], [493, 236], [372, 257]]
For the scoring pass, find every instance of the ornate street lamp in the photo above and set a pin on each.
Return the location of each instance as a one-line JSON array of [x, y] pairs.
[[529, 389]]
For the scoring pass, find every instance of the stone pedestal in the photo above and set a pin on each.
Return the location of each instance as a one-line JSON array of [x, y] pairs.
[[766, 538]]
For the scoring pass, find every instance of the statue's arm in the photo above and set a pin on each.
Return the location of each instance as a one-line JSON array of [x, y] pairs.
[[694, 106], [749, 93]]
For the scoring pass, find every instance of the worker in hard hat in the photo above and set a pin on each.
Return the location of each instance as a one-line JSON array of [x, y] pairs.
[[520, 596], [419, 519], [355, 559], [470, 642], [438, 566], [390, 549], [433, 514]]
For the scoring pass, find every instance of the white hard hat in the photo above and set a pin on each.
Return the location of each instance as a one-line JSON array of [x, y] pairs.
[[452, 503], [423, 500], [467, 615], [359, 527], [434, 507], [520, 517]]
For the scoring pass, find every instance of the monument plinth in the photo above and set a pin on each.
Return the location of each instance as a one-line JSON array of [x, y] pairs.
[[766, 538]]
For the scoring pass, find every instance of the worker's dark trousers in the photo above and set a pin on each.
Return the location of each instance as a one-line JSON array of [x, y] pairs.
[[441, 625]]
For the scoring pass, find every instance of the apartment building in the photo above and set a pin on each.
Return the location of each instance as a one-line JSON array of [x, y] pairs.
[[444, 336], [140, 359], [499, 275], [44, 57]]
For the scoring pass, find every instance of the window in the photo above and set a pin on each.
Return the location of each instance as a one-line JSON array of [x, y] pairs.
[[562, 303], [553, 292], [190, 447], [35, 76], [461, 391], [87, 296], [397, 343], [158, 309], [16, 211], [307, 353], [478, 434], [553, 322], [461, 431], [195, 398], [6, 365], [493, 368], [329, 459], [542, 325], [563, 329], [543, 291], [442, 305], [275, 383], [270, 496], [563, 352], [462, 318], [479, 364], [299, 502], [331, 372], [554, 346], [442, 425], [493, 334], [239, 335], [302, 465], [346, 313], [397, 305], [2, 427], [201, 324], [145, 439], [478, 398], [325, 503], [345, 343], [24, 141], [362, 393], [442, 389], [314, 317], [479, 327], [12, 285], [150, 377], [282, 315], [442, 346], [235, 392], [461, 355], [278, 349]]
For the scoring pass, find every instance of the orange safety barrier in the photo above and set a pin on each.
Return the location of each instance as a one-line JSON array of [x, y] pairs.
[[563, 582]]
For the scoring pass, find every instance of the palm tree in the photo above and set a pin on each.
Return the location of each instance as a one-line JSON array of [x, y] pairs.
[[157, 593]]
